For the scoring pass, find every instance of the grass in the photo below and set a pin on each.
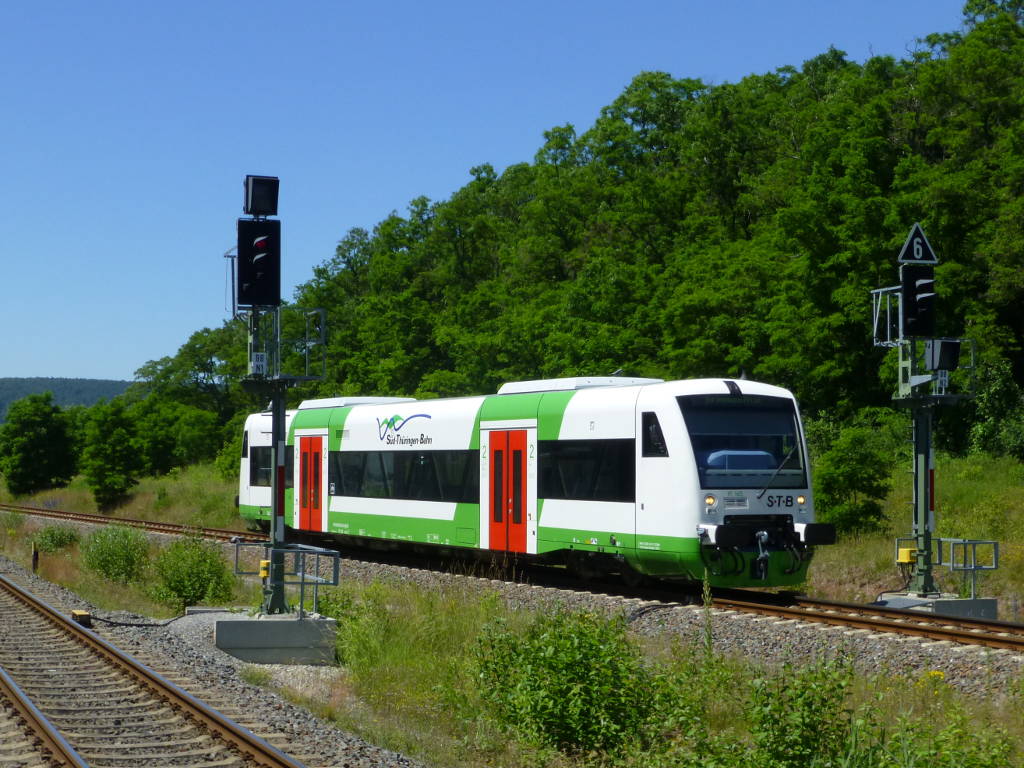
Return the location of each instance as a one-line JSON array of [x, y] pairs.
[[413, 683], [65, 567], [410, 682], [977, 497], [195, 496]]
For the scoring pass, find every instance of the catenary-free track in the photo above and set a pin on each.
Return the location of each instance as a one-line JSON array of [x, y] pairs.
[[111, 709], [999, 635]]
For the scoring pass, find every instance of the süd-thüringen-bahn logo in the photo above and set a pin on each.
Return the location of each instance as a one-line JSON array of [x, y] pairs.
[[389, 430]]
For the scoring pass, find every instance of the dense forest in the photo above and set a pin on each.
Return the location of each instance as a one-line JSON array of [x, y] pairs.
[[65, 391], [693, 230]]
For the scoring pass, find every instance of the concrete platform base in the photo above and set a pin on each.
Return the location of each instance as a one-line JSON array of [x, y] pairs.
[[943, 605], [278, 639]]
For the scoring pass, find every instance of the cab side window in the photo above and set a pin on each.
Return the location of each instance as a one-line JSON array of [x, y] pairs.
[[652, 440]]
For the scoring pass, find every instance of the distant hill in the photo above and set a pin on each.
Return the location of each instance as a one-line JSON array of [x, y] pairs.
[[65, 391]]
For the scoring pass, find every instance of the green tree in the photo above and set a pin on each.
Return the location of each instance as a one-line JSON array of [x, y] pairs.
[[110, 461], [998, 426], [168, 434], [36, 451], [852, 478]]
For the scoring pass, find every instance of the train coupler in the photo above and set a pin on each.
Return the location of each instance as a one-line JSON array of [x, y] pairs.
[[759, 566]]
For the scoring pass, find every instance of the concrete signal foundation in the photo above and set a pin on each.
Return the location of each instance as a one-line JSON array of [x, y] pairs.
[[278, 639], [943, 605]]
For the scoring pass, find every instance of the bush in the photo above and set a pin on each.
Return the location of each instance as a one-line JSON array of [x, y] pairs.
[[54, 537], [116, 553], [572, 681], [190, 571], [799, 716]]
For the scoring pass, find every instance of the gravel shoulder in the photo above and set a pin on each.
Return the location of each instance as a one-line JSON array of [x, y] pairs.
[[184, 649]]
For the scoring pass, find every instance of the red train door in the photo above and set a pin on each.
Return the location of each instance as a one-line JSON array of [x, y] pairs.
[[310, 463], [508, 490]]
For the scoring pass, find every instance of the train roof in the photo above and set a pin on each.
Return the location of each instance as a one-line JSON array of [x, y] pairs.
[[572, 383], [339, 402], [577, 383]]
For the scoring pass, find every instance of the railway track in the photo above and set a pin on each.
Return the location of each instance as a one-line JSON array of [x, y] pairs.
[[172, 529], [992, 634], [27, 738], [107, 707]]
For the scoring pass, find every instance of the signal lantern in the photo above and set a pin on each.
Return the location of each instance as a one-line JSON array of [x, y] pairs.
[[917, 301], [259, 263], [261, 195]]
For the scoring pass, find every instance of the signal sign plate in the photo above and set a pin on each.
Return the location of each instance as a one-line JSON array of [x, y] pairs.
[[917, 249]]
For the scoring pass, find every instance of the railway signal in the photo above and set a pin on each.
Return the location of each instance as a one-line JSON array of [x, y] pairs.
[[259, 289], [258, 292], [917, 299], [261, 195], [923, 360], [259, 262]]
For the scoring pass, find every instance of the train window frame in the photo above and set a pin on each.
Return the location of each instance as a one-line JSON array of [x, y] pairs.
[[447, 476], [749, 458], [261, 466], [652, 441], [587, 470]]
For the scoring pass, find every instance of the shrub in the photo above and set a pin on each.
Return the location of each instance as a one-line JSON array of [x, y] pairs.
[[54, 537], [799, 716], [572, 681], [190, 571], [116, 553]]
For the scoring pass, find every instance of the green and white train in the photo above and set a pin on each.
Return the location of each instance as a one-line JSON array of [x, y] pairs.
[[640, 477]]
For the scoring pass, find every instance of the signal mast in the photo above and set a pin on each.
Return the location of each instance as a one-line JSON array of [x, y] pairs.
[[904, 317]]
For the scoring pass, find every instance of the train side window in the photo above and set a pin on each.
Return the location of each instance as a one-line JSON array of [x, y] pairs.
[[375, 476], [449, 476], [587, 470], [653, 442], [260, 467]]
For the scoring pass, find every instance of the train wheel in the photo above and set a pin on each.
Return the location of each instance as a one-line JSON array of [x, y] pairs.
[[582, 567], [631, 577]]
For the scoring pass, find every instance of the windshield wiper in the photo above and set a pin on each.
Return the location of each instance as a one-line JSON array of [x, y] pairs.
[[778, 469]]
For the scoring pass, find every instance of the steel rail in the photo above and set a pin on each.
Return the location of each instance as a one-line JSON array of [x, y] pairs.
[[962, 622], [244, 741], [218, 534], [51, 742], [906, 623], [993, 634]]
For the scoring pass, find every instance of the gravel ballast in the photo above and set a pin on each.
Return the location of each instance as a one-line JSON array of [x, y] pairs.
[[185, 648]]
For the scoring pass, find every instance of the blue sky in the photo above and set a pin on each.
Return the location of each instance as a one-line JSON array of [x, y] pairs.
[[128, 128]]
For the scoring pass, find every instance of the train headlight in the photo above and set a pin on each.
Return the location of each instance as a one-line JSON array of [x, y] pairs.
[[801, 500], [710, 501]]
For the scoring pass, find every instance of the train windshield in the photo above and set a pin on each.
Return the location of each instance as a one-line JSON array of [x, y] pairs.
[[744, 442]]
